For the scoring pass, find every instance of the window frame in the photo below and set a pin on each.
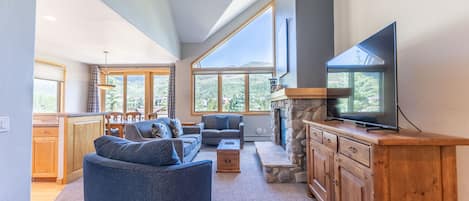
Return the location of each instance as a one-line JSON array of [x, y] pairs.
[[60, 86], [148, 74], [195, 70]]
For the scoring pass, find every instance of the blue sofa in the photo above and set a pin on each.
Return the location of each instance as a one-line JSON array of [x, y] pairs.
[[187, 145], [152, 179], [215, 127]]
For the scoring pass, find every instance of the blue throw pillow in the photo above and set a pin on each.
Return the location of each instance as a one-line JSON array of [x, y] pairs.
[[155, 153], [158, 130], [222, 122], [176, 128]]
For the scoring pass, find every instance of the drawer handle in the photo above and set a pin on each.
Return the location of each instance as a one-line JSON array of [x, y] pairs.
[[329, 140], [353, 150]]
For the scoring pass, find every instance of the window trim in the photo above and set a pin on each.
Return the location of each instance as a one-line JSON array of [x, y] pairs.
[[148, 74], [233, 70], [61, 84]]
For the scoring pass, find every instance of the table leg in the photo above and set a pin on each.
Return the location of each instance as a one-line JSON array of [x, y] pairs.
[[121, 131]]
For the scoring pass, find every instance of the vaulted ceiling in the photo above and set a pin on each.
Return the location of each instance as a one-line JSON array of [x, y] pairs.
[[81, 30], [197, 20]]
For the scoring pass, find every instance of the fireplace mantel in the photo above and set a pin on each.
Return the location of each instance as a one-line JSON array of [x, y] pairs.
[[308, 93], [299, 93]]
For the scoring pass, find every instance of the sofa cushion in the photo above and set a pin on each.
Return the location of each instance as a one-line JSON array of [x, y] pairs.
[[230, 133], [155, 153], [145, 129], [210, 133], [176, 128], [197, 137], [189, 140], [188, 148], [210, 122], [234, 120]]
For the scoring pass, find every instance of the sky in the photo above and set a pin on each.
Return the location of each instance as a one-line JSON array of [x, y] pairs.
[[254, 43]]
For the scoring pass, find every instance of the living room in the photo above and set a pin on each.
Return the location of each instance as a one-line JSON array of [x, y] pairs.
[[180, 41]]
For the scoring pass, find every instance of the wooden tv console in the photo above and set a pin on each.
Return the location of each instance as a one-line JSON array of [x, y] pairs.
[[346, 163]]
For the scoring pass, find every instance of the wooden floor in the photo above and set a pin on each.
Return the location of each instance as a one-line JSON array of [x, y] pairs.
[[45, 191]]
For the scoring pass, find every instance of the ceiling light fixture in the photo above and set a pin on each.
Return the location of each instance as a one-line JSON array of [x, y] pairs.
[[105, 85], [49, 18]]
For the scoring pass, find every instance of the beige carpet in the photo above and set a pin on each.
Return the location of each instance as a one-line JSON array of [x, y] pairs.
[[249, 185]]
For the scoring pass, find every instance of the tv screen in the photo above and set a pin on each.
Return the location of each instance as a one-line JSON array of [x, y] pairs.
[[361, 82]]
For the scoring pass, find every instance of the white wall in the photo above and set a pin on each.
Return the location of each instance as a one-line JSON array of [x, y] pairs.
[[76, 82], [153, 18], [190, 51], [17, 18], [433, 61]]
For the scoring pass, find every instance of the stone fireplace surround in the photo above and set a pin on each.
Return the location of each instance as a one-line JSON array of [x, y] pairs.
[[289, 164]]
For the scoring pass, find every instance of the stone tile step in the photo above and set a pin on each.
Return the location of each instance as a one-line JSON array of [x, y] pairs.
[[272, 155]]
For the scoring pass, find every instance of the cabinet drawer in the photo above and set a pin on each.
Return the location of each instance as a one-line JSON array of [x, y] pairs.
[[315, 134], [330, 140], [46, 131], [355, 150]]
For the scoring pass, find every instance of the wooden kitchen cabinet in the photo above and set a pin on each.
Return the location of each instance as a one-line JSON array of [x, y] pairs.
[[347, 163], [45, 152]]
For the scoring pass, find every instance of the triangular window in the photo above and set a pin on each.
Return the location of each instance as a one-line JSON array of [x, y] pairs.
[[250, 46]]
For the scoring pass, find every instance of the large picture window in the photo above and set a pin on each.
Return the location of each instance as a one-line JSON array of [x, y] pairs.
[[136, 93], [206, 93], [136, 90], [114, 96], [233, 93], [160, 94], [233, 77]]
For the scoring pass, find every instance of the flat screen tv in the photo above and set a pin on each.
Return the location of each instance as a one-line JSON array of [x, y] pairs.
[[362, 82]]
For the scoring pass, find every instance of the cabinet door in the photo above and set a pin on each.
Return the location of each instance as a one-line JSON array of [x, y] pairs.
[[44, 157], [352, 180], [320, 168]]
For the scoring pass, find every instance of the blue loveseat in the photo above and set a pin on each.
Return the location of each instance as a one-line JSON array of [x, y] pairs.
[[187, 145], [215, 127], [122, 170]]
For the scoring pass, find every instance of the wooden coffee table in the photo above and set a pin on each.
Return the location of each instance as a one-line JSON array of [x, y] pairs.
[[228, 156]]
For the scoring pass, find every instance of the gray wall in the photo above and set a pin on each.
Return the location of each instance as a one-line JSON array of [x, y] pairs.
[[153, 18], [190, 51], [311, 40], [286, 9], [17, 20], [315, 36]]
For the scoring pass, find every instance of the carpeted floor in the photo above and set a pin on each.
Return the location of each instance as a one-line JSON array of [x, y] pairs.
[[249, 185]]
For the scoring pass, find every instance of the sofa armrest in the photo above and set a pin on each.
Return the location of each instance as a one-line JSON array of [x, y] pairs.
[[191, 129], [202, 125], [179, 147], [241, 134]]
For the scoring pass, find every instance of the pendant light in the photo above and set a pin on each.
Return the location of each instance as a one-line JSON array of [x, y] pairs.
[[105, 85]]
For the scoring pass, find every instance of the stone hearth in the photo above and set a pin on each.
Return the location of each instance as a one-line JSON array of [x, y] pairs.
[[289, 164]]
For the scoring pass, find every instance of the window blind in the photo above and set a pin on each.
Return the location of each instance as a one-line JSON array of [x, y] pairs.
[[49, 72]]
